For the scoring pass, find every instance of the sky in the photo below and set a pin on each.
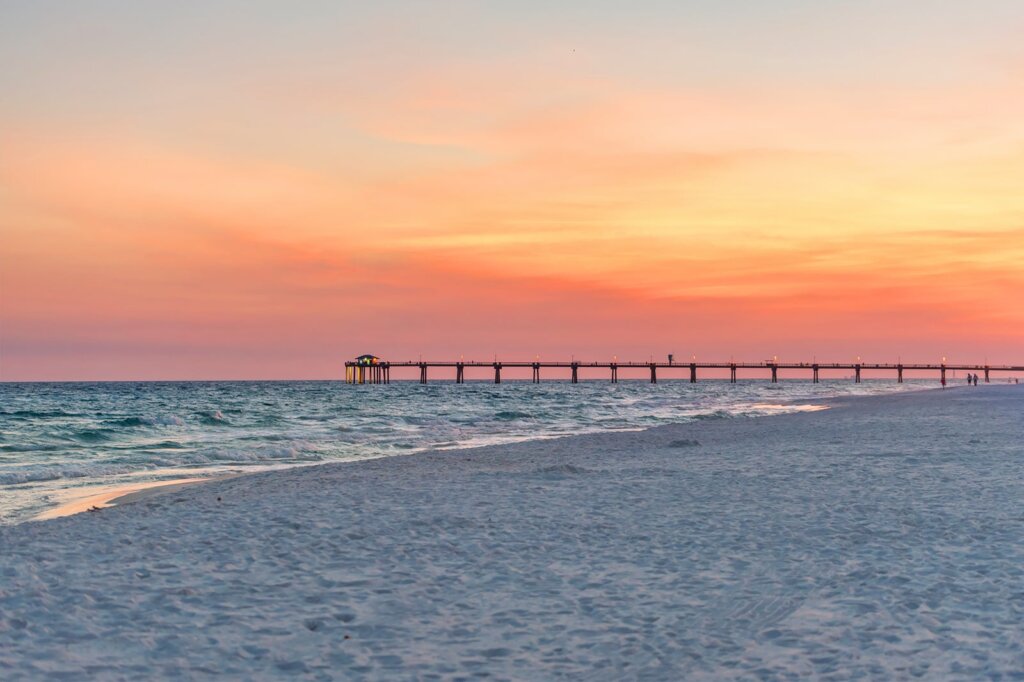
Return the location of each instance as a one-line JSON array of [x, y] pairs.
[[262, 190]]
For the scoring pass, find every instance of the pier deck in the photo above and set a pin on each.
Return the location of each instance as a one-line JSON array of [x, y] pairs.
[[380, 372]]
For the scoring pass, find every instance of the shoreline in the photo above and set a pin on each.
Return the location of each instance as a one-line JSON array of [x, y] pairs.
[[180, 439], [879, 538], [103, 497]]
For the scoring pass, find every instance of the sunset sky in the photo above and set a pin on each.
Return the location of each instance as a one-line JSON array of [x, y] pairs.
[[265, 189]]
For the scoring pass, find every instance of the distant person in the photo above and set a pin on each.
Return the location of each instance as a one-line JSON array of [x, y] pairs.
[[975, 379]]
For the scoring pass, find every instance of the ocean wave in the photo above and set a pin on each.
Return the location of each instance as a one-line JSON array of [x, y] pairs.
[[34, 474], [300, 451], [213, 418], [167, 445], [506, 415], [158, 420], [38, 414], [94, 435], [714, 414], [31, 447]]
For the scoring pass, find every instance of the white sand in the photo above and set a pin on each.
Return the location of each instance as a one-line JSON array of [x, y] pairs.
[[883, 538]]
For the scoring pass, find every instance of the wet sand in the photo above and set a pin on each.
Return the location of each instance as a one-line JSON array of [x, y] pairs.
[[101, 498]]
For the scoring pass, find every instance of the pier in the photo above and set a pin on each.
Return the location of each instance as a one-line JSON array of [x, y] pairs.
[[371, 370]]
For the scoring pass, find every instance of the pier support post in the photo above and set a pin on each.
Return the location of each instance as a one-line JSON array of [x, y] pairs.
[[815, 368], [536, 373], [775, 374], [460, 373], [942, 375], [986, 374], [899, 374], [615, 374], [856, 374], [575, 373], [693, 372], [732, 373], [654, 373], [497, 372], [423, 372], [387, 373]]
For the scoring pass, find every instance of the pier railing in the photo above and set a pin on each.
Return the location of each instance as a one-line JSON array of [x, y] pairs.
[[380, 372]]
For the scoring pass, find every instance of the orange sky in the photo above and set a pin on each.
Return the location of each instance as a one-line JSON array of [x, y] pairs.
[[189, 203]]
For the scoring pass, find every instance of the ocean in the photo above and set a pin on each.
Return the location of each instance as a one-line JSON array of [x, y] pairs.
[[60, 440]]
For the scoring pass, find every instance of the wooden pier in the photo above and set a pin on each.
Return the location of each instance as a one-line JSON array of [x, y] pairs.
[[379, 371]]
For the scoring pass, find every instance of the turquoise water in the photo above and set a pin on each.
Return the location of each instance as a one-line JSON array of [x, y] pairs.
[[61, 438]]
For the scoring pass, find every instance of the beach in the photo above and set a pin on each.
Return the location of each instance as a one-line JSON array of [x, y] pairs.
[[882, 538]]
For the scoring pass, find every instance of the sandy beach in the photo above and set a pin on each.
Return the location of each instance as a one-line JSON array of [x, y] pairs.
[[881, 538]]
